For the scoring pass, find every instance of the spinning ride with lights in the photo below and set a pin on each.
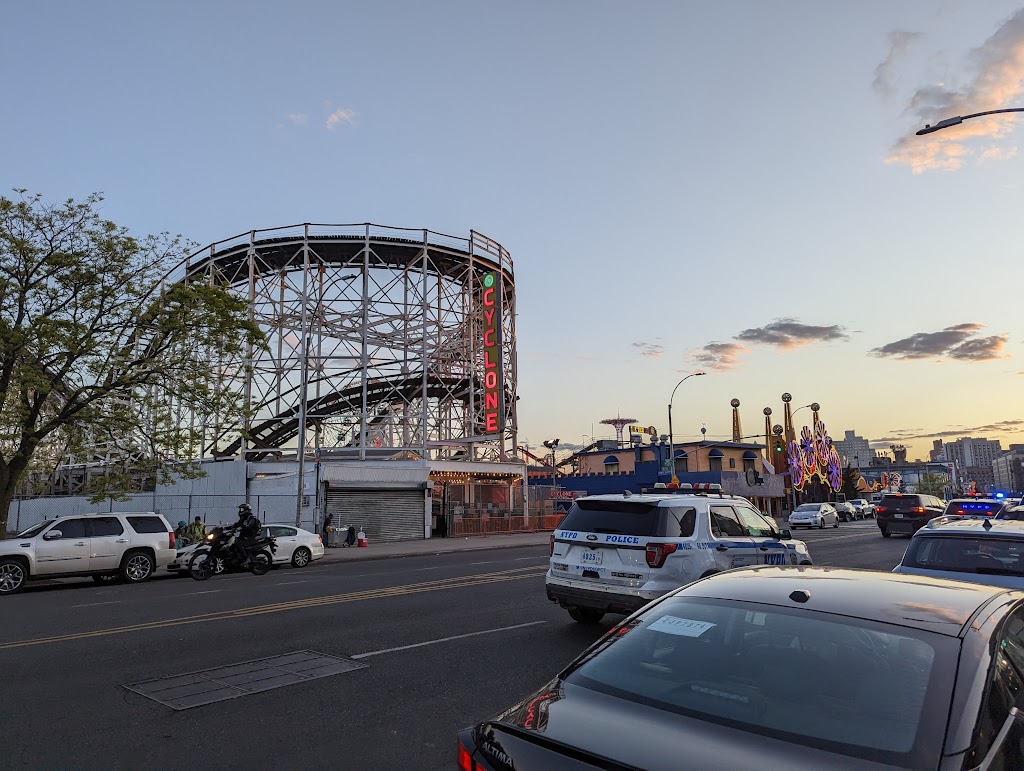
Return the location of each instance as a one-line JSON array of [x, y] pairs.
[[814, 456]]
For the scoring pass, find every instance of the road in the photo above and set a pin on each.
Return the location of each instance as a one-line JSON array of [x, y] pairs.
[[444, 640]]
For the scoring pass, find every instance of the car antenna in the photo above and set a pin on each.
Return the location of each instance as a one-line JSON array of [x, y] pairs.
[[987, 525], [626, 494]]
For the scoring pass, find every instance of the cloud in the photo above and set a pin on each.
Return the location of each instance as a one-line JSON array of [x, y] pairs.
[[956, 342], [790, 333], [719, 356], [997, 154], [981, 349], [899, 43], [340, 116], [650, 349], [998, 81], [906, 435], [297, 118]]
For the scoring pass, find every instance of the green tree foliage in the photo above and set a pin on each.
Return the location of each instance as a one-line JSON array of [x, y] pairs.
[[932, 484], [98, 350], [851, 477]]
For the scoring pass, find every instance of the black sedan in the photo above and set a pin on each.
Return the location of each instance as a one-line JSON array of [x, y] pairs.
[[769, 667]]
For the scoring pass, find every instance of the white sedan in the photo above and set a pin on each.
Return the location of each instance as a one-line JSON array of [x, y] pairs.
[[814, 515], [294, 545]]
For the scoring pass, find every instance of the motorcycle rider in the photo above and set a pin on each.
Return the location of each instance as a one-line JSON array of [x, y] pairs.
[[248, 529]]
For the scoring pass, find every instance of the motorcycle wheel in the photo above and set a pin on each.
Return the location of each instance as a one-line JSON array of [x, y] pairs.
[[201, 566], [260, 563]]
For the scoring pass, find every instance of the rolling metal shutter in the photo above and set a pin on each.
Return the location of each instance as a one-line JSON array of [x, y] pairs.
[[384, 515]]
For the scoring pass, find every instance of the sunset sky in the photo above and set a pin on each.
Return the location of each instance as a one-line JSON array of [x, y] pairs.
[[732, 186]]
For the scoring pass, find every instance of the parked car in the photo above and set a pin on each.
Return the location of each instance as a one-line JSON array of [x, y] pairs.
[[863, 507], [130, 546], [978, 507], [294, 545], [814, 515], [795, 668], [847, 511], [980, 550], [906, 514], [616, 553]]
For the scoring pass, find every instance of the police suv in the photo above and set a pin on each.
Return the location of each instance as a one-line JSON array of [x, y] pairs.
[[616, 553]]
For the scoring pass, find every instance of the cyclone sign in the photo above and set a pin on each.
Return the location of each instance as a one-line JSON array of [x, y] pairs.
[[494, 391]]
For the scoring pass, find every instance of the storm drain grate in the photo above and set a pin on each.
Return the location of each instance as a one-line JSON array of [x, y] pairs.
[[229, 682]]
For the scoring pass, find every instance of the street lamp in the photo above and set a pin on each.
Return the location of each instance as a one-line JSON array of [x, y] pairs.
[[957, 120], [671, 446], [552, 445]]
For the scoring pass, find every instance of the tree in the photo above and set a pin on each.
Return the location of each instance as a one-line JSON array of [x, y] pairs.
[[98, 349], [851, 477], [932, 484]]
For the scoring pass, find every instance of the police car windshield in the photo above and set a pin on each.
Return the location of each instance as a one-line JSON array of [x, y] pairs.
[[627, 518], [986, 555], [848, 685]]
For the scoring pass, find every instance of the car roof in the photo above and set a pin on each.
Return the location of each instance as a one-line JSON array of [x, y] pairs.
[[921, 602], [983, 526], [109, 514], [666, 499], [1000, 501]]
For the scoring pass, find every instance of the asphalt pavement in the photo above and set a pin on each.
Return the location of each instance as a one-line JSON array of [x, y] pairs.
[[446, 640]]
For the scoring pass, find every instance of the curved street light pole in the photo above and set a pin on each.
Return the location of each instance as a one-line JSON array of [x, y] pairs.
[[958, 119], [671, 445]]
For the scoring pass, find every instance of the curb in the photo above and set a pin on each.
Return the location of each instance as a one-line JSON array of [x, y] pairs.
[[375, 557]]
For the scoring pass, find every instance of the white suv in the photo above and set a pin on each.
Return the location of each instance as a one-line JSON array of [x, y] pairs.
[[616, 553], [126, 545]]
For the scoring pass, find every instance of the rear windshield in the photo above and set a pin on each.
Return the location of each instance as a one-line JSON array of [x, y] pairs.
[[147, 524], [988, 555], [901, 502], [976, 508], [851, 686], [625, 518]]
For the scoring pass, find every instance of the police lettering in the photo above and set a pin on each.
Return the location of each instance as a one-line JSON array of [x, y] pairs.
[[621, 539]]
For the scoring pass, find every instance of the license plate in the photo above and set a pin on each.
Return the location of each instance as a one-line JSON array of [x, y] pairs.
[[897, 516], [591, 558]]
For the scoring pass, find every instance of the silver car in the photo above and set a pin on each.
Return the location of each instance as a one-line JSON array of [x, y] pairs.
[[129, 546], [814, 515]]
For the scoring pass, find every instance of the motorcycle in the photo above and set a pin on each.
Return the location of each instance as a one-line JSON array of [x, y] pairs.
[[217, 556]]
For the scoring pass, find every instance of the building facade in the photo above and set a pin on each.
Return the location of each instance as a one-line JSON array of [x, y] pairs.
[[968, 451], [854, 450], [1008, 470]]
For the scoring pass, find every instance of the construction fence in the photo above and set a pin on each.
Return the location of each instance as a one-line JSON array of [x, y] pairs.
[[213, 509]]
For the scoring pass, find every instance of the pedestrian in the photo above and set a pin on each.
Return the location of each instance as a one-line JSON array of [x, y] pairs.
[[181, 532], [328, 526], [197, 530]]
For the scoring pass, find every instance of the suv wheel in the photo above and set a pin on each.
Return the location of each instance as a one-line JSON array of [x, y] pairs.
[[12, 576], [585, 615], [136, 567], [885, 532]]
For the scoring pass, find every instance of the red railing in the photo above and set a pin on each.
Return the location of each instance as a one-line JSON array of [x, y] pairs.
[[506, 525]]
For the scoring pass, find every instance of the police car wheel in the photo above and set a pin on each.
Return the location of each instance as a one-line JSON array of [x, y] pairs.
[[585, 615]]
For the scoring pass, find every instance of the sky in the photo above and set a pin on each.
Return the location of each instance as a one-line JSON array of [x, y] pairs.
[[730, 187]]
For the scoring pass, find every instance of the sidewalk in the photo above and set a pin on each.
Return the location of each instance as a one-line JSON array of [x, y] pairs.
[[382, 551]]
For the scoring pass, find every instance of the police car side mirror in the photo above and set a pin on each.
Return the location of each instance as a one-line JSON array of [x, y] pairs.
[[786, 535]]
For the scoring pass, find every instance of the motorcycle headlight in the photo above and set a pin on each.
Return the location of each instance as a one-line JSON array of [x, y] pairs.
[[209, 537]]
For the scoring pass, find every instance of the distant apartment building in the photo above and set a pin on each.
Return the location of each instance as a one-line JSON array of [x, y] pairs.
[[936, 453], [1008, 470], [968, 452], [854, 450]]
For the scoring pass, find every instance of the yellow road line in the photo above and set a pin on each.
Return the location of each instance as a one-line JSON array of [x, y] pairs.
[[309, 602]]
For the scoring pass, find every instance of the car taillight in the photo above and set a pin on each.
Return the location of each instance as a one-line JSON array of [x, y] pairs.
[[880, 509], [551, 545], [321, 538], [170, 537], [918, 509], [656, 553], [465, 760]]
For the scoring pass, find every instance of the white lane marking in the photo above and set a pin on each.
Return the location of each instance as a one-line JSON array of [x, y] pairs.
[[480, 563], [842, 537], [91, 604], [445, 639], [290, 583], [517, 559]]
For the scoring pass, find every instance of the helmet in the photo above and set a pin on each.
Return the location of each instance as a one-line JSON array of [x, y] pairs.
[[244, 508], [181, 523]]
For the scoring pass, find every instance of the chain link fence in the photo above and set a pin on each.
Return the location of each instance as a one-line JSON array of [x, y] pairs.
[[213, 509]]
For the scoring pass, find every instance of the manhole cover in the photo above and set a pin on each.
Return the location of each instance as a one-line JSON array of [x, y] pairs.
[[229, 682]]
